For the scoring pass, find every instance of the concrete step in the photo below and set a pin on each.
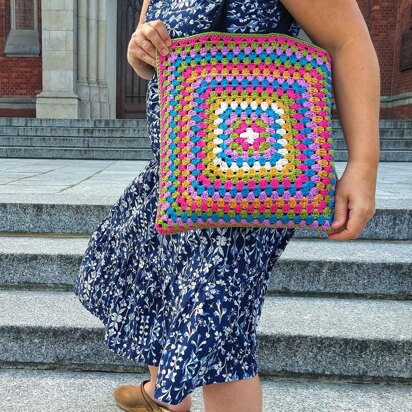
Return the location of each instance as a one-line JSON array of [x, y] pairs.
[[386, 144], [93, 123], [19, 133], [385, 133], [384, 155], [105, 153], [131, 139], [41, 391], [352, 268], [33, 122], [306, 267], [42, 213], [49, 152], [107, 141], [140, 129], [355, 339]]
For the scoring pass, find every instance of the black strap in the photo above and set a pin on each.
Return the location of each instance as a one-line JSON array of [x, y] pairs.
[[283, 26], [218, 21]]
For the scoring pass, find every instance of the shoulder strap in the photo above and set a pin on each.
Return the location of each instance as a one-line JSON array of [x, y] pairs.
[[283, 26], [218, 21]]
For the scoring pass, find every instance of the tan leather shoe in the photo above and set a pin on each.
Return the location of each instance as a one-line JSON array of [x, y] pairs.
[[133, 398]]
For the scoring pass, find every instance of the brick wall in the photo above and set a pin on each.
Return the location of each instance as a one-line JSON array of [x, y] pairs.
[[387, 20]]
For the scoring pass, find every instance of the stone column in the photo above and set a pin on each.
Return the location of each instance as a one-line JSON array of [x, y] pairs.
[[111, 54], [94, 89], [82, 41], [58, 98], [101, 58]]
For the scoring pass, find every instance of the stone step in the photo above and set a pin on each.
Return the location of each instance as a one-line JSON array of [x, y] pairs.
[[106, 141], [352, 268], [137, 130], [47, 152], [385, 144], [140, 140], [41, 391], [43, 213], [354, 339], [306, 267], [16, 134], [384, 133], [94, 123], [385, 156]]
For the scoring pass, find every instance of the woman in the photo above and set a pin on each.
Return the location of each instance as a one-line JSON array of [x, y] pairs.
[[170, 301]]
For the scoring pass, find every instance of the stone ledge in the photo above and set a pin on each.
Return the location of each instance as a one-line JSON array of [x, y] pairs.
[[22, 43]]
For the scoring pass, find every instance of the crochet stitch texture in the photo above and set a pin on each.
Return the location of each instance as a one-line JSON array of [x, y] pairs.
[[246, 137]]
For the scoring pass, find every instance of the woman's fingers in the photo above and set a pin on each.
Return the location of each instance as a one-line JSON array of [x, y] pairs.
[[155, 32], [351, 216], [161, 38], [145, 40], [140, 51], [354, 226], [354, 201], [341, 210]]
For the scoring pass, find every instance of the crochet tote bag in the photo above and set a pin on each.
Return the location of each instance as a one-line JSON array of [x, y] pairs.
[[246, 136]]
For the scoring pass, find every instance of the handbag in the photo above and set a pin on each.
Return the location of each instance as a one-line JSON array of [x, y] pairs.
[[246, 136]]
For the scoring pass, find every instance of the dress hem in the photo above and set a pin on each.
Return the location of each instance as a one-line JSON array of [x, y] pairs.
[[143, 360]]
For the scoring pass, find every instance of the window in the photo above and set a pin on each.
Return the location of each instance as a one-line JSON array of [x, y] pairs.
[[23, 38]]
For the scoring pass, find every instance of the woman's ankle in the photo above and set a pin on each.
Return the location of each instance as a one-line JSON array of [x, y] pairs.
[[183, 406]]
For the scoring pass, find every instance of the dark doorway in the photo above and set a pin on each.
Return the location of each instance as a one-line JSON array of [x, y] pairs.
[[131, 89]]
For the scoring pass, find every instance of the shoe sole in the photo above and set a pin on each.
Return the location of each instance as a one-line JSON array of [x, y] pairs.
[[132, 410]]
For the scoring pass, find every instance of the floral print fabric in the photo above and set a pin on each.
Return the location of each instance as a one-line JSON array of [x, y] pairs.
[[188, 302]]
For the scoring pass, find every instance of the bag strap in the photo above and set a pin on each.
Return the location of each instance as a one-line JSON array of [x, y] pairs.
[[283, 26], [218, 21]]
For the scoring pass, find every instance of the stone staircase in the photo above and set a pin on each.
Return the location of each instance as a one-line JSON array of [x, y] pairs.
[[128, 140], [335, 332]]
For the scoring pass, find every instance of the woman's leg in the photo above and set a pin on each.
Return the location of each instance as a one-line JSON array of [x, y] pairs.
[[183, 406], [244, 395]]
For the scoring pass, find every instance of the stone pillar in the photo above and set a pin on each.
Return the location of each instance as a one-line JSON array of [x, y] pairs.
[[58, 98], [92, 45], [101, 59], [111, 54], [82, 77]]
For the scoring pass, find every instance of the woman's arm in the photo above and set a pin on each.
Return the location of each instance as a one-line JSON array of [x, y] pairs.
[[144, 41], [339, 27]]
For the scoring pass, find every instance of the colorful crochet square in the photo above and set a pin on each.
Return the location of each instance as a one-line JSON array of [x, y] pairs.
[[245, 133]]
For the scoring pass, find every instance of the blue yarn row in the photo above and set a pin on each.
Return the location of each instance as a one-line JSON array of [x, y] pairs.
[[249, 217], [198, 58], [200, 189]]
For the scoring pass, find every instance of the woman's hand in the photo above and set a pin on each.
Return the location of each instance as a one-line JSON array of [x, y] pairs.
[[354, 200], [142, 46]]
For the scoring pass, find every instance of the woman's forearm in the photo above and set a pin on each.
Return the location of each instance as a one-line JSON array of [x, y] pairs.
[[356, 85]]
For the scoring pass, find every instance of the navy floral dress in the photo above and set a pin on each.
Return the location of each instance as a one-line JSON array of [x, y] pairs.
[[188, 302]]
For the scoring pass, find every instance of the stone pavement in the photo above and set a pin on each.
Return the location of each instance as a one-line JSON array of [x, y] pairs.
[[56, 391], [105, 180]]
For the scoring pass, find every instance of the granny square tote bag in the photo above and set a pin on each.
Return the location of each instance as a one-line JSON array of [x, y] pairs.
[[246, 136]]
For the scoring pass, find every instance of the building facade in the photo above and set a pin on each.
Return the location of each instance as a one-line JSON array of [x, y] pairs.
[[67, 58]]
